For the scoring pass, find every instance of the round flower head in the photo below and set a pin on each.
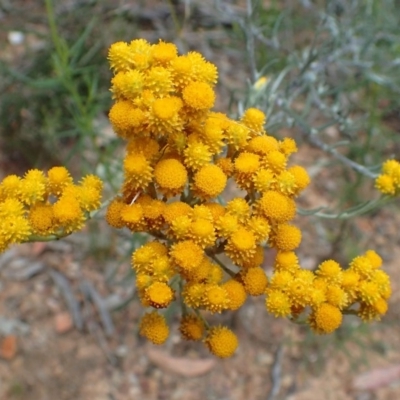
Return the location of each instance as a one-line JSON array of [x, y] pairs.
[[276, 161], [301, 177], [260, 227], [221, 341], [191, 327], [216, 210], [113, 214], [68, 214], [263, 180], [278, 303], [10, 185], [254, 281], [237, 135], [286, 183], [286, 261], [227, 224], [186, 254], [162, 53], [246, 165], [236, 294], [287, 146], [241, 245], [120, 57], [141, 53], [182, 71], [180, 227], [145, 145], [41, 219], [33, 187], [197, 154], [11, 207], [276, 206], [215, 298], [330, 270], [154, 327], [254, 119], [238, 207], [159, 295], [175, 210], [57, 179], [138, 172], [163, 117], [262, 145], [14, 229], [159, 81], [132, 216], [325, 319], [385, 184], [363, 266], [202, 69], [374, 258], [193, 293], [125, 118], [209, 182], [127, 85], [171, 176], [199, 95], [255, 260], [213, 135], [202, 232], [287, 237]]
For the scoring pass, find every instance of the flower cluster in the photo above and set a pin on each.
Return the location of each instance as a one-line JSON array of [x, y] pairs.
[[206, 186], [388, 182], [37, 206]]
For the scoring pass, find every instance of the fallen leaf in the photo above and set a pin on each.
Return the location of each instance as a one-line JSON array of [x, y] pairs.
[[183, 366], [8, 347], [376, 378]]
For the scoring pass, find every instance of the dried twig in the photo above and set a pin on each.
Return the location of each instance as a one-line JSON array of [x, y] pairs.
[[276, 373]]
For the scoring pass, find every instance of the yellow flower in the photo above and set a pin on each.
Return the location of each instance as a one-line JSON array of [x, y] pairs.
[[198, 95], [197, 155], [11, 186], [68, 213], [171, 176], [287, 146], [260, 227], [277, 207], [159, 81], [163, 118], [385, 184], [120, 57], [213, 133], [202, 232], [132, 216], [246, 164], [216, 210], [215, 298], [236, 294], [193, 293], [336, 296], [237, 135], [159, 295], [227, 224], [238, 207], [363, 266], [368, 292], [41, 219], [182, 71], [153, 326], [286, 183], [175, 210], [325, 319], [278, 303], [209, 182], [255, 260], [254, 119], [330, 270], [113, 214], [57, 179], [153, 214], [33, 187], [186, 254], [275, 160], [11, 207], [286, 261], [138, 172], [141, 53], [191, 327], [374, 258], [262, 145], [203, 70], [241, 245], [127, 85], [254, 281], [145, 145], [263, 180], [125, 118], [221, 341], [14, 229], [226, 165], [280, 280], [180, 227], [287, 237], [163, 53]]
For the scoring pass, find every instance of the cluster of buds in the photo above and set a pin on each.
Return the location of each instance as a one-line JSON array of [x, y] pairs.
[[214, 193], [40, 207], [388, 182]]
